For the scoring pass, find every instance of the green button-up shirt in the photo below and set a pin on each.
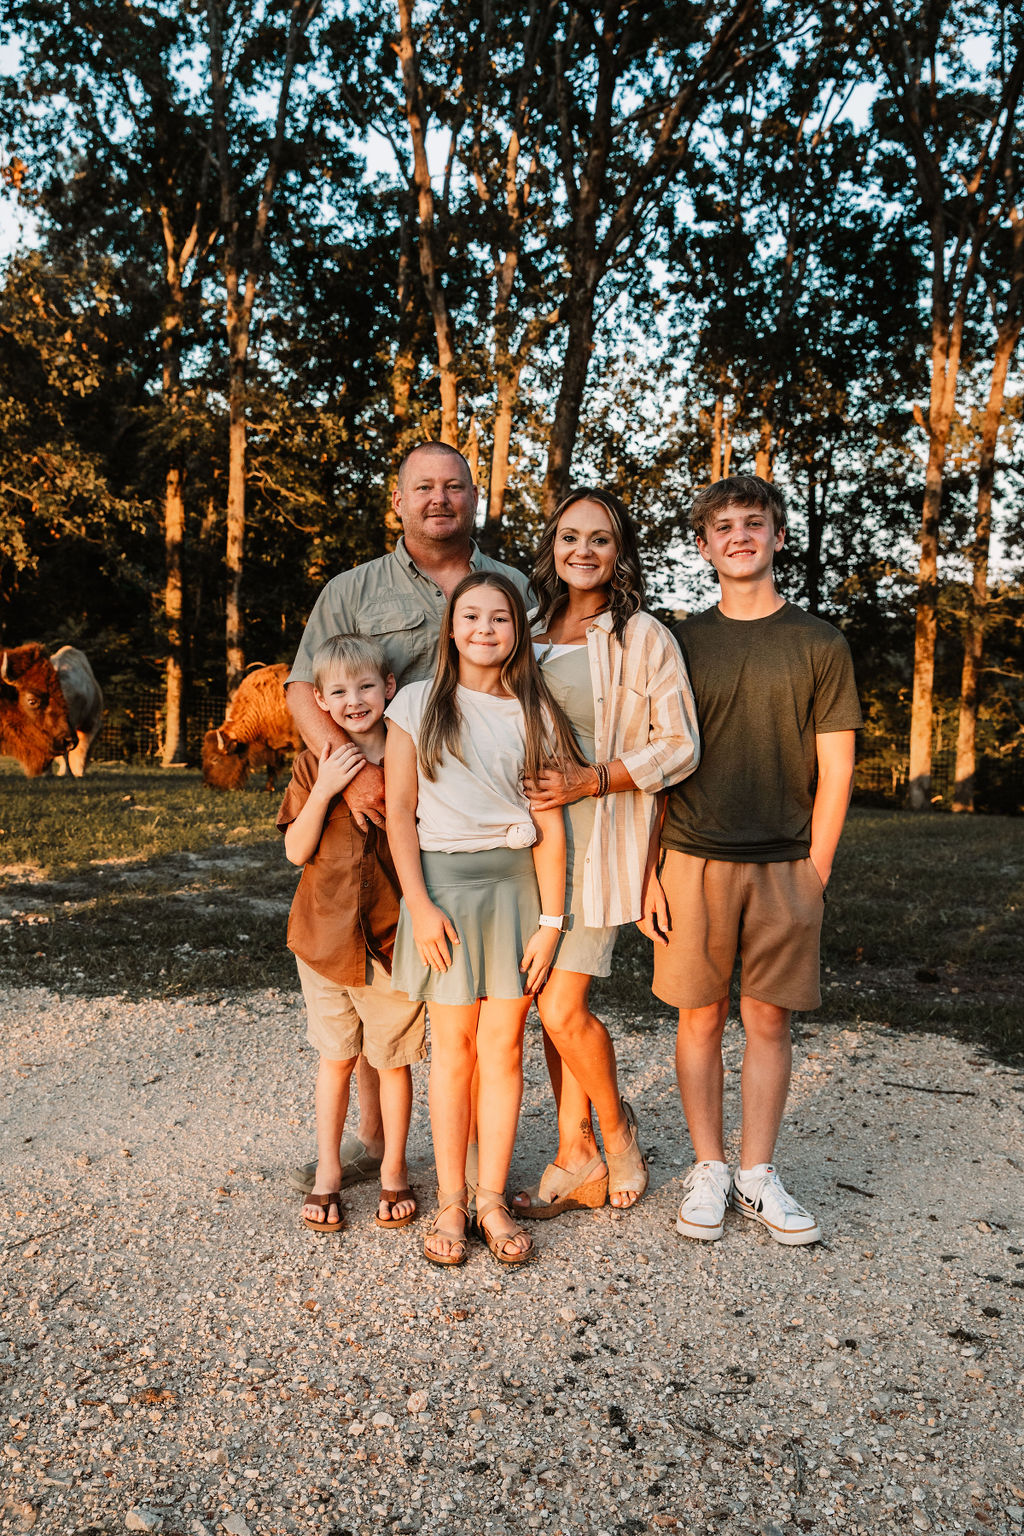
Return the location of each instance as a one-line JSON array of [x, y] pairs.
[[391, 601]]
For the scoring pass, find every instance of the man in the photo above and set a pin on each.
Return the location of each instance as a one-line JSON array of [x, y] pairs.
[[398, 600], [748, 845]]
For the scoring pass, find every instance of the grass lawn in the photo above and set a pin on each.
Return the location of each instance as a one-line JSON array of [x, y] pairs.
[[143, 881]]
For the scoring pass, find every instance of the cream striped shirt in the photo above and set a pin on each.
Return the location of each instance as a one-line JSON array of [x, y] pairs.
[[644, 715]]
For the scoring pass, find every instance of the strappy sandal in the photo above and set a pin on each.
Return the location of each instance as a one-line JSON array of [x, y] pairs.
[[488, 1200], [472, 1172], [627, 1171], [324, 1203], [391, 1198], [446, 1201], [564, 1189]]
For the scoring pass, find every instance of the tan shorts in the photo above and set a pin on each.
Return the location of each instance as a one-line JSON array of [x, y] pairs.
[[372, 1021], [767, 914]]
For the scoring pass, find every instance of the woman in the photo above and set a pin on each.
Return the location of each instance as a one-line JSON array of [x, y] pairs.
[[621, 680]]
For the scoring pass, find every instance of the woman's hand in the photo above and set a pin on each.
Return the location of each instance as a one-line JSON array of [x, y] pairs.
[[432, 931], [551, 789], [537, 957]]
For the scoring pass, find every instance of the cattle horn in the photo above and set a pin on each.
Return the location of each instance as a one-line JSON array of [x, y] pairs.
[[3, 669]]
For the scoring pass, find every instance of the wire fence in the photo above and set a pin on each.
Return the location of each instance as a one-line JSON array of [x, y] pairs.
[[134, 733]]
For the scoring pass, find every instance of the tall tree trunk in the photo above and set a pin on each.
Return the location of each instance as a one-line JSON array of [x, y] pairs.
[[174, 601], [244, 261], [579, 343], [974, 637], [234, 617], [962, 214], [945, 366], [815, 529], [507, 387], [174, 521], [444, 331]]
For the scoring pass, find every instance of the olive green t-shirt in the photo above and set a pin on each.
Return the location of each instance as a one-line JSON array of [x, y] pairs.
[[764, 689]]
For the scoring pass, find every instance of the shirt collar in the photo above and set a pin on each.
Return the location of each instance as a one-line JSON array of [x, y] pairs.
[[476, 559]]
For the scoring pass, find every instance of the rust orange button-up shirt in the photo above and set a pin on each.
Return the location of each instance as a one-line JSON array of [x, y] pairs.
[[346, 906]]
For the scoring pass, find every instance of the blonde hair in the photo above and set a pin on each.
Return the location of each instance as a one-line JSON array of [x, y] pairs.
[[549, 737], [348, 653]]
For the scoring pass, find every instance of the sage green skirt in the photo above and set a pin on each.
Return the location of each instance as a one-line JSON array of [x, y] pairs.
[[493, 901]]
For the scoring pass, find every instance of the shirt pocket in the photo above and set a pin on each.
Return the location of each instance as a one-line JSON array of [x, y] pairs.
[[408, 639], [630, 720]]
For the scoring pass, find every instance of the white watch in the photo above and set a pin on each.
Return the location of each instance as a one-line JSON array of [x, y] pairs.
[[551, 922]]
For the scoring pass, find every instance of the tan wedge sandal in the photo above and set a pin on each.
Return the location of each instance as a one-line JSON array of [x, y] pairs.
[[563, 1189], [450, 1200], [627, 1171], [488, 1200]]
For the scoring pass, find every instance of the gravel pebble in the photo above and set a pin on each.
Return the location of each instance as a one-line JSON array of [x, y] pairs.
[[176, 1348]]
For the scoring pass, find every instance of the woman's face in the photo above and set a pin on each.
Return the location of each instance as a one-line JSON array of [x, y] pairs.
[[585, 548]]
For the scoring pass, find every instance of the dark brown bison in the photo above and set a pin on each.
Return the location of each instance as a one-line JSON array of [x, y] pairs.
[[34, 724], [258, 732], [83, 699]]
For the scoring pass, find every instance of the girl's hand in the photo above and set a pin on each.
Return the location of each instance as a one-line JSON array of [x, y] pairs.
[[537, 957], [655, 922], [551, 789], [432, 931], [338, 767]]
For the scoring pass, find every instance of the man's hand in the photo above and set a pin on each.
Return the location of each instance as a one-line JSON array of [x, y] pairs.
[[365, 797]]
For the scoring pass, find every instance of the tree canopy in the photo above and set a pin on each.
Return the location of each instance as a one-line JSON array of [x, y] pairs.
[[651, 245]]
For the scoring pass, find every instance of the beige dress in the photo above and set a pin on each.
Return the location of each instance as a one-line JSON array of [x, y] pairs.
[[566, 671]]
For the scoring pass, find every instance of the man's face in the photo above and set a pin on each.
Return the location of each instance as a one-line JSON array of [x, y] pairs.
[[436, 498], [741, 542]]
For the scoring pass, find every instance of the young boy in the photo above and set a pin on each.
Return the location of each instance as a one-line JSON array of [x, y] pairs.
[[342, 931], [748, 845]]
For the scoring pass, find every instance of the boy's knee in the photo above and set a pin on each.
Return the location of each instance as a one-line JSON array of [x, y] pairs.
[[765, 1019], [703, 1024], [342, 1068]]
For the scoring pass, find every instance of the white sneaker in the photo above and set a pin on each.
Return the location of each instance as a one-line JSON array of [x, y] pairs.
[[702, 1212], [763, 1197]]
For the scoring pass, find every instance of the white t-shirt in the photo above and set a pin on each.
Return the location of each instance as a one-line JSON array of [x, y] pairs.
[[480, 803]]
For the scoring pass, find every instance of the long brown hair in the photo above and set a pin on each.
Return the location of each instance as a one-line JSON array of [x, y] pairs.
[[627, 593], [549, 736]]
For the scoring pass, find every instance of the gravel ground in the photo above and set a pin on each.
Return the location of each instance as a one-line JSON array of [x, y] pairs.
[[177, 1353]]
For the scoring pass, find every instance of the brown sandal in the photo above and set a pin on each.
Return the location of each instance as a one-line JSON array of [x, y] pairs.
[[451, 1200], [391, 1198], [488, 1200], [324, 1203]]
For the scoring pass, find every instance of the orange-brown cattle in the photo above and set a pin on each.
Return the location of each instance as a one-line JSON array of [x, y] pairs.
[[34, 725], [257, 732]]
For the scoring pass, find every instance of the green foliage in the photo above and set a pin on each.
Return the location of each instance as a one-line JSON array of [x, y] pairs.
[[774, 274]]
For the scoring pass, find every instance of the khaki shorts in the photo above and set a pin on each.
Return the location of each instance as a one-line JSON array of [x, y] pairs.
[[767, 914], [371, 1021]]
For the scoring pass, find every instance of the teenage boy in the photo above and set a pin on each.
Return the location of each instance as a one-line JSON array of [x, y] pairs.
[[748, 845], [342, 932]]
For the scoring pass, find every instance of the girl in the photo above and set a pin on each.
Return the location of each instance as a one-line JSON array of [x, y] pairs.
[[479, 912], [622, 682]]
